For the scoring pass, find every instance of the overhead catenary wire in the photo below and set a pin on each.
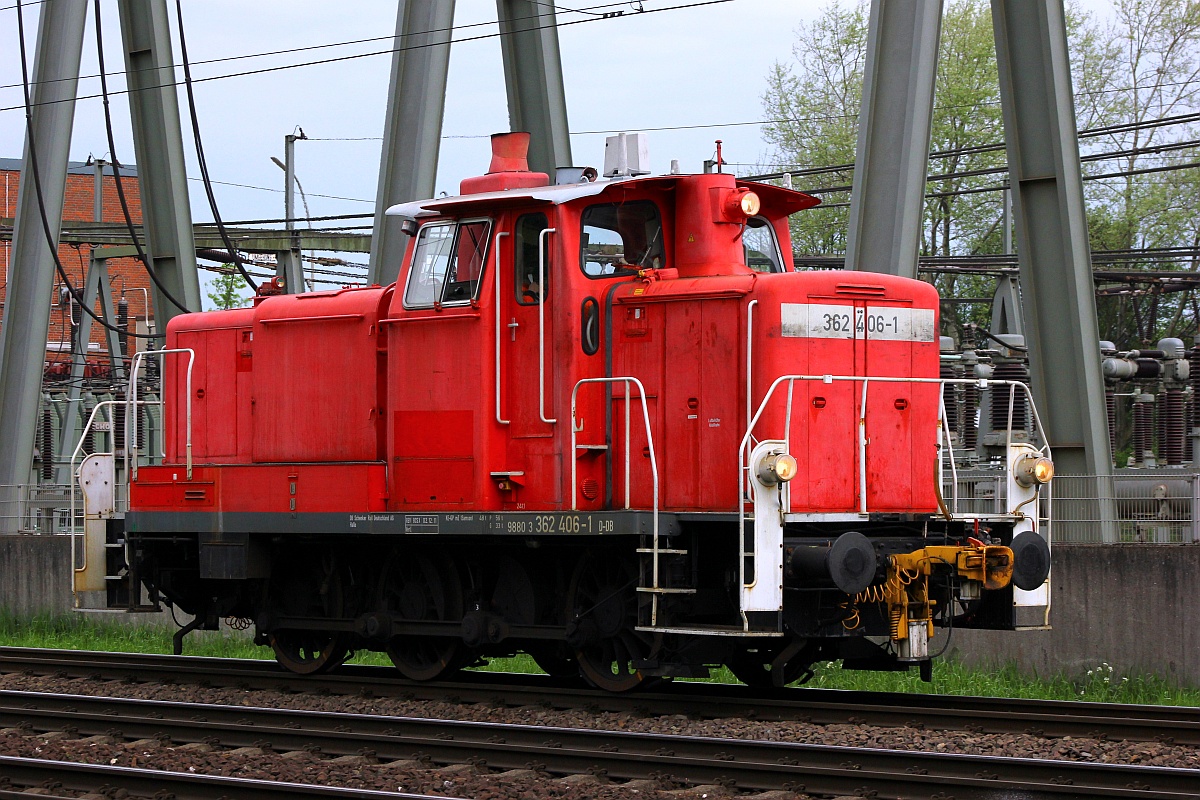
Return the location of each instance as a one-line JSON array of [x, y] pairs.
[[327, 45], [405, 48]]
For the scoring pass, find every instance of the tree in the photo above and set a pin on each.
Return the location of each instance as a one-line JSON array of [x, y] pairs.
[[1142, 66], [226, 290], [1143, 76], [815, 101]]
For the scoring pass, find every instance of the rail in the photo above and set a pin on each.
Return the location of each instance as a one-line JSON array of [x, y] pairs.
[[1055, 718], [131, 401]]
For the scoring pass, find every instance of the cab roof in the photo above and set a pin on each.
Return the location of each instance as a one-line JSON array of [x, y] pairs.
[[775, 199]]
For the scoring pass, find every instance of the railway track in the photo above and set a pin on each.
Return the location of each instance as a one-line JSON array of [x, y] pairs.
[[1177, 725], [746, 765], [65, 780]]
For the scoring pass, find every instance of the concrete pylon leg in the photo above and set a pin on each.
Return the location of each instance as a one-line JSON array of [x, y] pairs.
[[413, 126], [158, 146], [31, 271], [537, 101], [1057, 291], [887, 199]]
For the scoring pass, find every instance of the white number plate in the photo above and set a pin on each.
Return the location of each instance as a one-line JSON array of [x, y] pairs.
[[821, 321]]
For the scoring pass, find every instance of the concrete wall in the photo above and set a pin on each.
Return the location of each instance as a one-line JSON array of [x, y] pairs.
[[35, 578], [36, 574], [1134, 606]]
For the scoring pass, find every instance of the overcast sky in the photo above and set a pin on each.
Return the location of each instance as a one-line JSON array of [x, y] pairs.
[[700, 66]]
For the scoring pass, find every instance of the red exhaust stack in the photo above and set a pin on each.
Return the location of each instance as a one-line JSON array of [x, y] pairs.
[[509, 168]]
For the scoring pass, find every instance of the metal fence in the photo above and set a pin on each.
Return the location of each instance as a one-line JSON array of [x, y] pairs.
[[1149, 506], [41, 508], [1145, 506]]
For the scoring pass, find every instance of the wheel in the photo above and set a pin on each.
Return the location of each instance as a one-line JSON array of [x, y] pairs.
[[420, 587], [603, 611], [309, 587], [309, 652], [756, 669]]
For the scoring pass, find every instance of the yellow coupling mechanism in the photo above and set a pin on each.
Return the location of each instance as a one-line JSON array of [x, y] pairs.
[[906, 589]]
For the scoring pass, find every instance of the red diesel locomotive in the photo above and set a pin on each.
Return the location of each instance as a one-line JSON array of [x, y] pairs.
[[603, 422]]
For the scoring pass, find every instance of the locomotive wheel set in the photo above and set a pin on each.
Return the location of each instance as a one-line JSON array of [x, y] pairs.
[[602, 421]]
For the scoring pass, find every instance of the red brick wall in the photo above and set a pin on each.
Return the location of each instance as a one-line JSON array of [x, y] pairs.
[[78, 206]]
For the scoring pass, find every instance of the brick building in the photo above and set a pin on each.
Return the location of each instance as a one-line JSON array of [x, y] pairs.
[[126, 274]]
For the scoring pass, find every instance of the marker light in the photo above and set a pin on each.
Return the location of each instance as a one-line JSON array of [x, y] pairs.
[[1031, 470], [777, 468]]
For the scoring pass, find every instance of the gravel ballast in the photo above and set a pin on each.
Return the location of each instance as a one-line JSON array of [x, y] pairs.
[[465, 780]]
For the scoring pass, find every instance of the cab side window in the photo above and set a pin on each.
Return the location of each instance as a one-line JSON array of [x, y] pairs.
[[462, 278], [526, 252], [760, 247], [620, 238], [447, 264]]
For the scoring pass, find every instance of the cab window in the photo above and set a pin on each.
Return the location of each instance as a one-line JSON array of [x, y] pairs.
[[620, 238], [760, 247], [447, 264], [526, 244]]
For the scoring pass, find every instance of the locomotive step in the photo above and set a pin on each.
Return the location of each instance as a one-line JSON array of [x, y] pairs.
[[662, 551], [664, 590], [707, 630]]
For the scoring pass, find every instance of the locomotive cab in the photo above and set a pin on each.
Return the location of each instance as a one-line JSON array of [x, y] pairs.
[[605, 422]]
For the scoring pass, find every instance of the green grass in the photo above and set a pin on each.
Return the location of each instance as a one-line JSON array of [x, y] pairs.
[[1099, 684]]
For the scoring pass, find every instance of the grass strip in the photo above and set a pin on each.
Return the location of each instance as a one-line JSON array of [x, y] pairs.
[[1101, 683]]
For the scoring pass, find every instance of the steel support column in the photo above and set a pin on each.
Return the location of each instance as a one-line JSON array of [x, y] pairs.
[[31, 267], [887, 198], [413, 126], [1057, 292], [158, 146], [537, 101], [96, 286]]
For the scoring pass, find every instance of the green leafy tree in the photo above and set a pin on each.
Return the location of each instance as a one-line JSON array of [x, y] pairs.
[[816, 99], [1144, 73], [816, 96], [226, 290]]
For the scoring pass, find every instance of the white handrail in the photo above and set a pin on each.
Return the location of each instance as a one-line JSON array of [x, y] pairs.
[[744, 455], [75, 477], [862, 449], [982, 383], [749, 358], [131, 400], [649, 442], [496, 300], [542, 324], [944, 424]]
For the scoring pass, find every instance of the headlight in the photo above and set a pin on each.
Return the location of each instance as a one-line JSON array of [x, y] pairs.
[[738, 205], [777, 468], [750, 204], [1031, 470]]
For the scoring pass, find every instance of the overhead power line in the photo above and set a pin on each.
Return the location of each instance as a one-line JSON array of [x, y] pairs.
[[325, 45], [404, 48]]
